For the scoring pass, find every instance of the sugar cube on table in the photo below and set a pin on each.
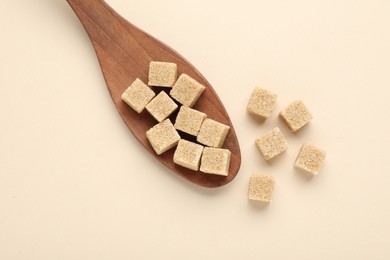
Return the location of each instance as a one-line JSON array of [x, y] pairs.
[[212, 133], [163, 136], [261, 103], [162, 74], [188, 154], [310, 158], [187, 90], [296, 115], [138, 95], [261, 187], [189, 120], [215, 161], [161, 106], [272, 143]]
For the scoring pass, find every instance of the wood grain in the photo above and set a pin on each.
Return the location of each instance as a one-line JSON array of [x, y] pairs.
[[124, 52]]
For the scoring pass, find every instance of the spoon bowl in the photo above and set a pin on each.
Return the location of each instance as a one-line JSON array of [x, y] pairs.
[[124, 53]]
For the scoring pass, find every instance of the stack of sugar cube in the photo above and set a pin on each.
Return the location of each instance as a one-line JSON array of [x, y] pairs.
[[182, 93]]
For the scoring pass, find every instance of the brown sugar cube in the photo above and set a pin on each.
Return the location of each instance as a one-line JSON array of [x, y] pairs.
[[189, 120], [162, 74], [261, 103], [161, 107], [215, 161], [212, 133], [187, 90], [261, 187], [188, 154], [296, 115], [310, 158], [272, 144], [163, 136], [138, 95]]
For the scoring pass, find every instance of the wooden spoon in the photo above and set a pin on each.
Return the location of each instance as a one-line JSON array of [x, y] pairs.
[[124, 53]]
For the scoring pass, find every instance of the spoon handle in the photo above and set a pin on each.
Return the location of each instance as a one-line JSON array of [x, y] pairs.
[[118, 42], [105, 27]]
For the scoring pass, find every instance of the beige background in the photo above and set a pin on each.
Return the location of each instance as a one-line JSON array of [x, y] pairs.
[[75, 184]]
